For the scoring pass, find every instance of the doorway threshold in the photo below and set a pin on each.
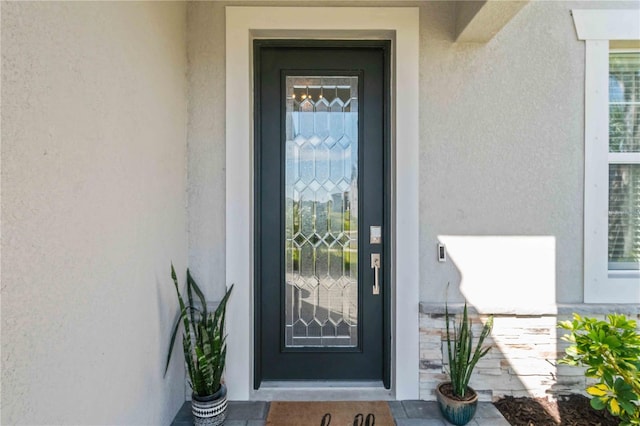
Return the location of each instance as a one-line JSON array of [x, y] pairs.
[[322, 391]]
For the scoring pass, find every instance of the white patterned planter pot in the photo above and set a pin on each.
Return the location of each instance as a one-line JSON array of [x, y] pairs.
[[210, 410]]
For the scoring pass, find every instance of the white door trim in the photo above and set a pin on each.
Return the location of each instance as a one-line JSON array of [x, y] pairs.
[[401, 25]]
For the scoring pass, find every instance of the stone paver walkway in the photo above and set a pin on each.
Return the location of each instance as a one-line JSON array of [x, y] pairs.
[[405, 413]]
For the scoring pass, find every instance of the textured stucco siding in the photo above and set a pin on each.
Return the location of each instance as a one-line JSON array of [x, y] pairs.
[[501, 156], [94, 121], [502, 159], [206, 136]]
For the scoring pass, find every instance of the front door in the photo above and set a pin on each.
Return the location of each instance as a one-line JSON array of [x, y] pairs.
[[322, 225]]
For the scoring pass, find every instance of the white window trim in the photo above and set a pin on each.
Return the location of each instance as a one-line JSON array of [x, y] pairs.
[[399, 24], [597, 28]]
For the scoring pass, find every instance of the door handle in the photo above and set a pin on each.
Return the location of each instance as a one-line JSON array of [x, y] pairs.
[[375, 265]]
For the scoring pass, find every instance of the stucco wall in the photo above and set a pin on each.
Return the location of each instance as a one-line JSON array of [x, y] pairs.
[[207, 146], [94, 120], [502, 155]]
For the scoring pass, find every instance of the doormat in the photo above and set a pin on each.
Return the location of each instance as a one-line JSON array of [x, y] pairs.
[[330, 413]]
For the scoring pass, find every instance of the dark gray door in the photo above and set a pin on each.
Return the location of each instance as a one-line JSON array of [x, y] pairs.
[[322, 188]]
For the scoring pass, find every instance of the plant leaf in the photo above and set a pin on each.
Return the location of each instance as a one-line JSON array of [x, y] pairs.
[[614, 407], [182, 315], [171, 342], [597, 403], [598, 390], [192, 283]]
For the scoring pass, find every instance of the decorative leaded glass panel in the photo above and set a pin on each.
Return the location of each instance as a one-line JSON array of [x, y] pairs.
[[321, 220]]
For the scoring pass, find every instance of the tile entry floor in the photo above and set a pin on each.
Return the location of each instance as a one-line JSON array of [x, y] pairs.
[[405, 413]]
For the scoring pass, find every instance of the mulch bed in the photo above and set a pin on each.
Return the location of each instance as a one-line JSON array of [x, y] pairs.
[[569, 410]]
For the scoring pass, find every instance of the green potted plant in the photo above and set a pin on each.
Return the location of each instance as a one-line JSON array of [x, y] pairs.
[[205, 350], [457, 400], [611, 352]]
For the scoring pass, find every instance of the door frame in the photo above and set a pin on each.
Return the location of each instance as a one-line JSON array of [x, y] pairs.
[[401, 27], [384, 48]]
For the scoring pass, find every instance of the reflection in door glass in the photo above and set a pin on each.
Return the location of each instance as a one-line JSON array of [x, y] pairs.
[[321, 196]]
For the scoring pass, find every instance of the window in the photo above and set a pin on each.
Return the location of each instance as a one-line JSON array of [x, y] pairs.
[[612, 154], [624, 160]]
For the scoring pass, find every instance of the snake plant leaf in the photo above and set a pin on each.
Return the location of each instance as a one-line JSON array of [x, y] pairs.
[[182, 315], [176, 325], [190, 298], [186, 345], [192, 283], [204, 367], [218, 372], [219, 314]]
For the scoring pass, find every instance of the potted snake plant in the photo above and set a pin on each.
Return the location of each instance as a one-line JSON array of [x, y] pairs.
[[205, 350], [457, 400]]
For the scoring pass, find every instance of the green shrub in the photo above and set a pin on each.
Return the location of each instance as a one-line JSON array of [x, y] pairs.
[[611, 352]]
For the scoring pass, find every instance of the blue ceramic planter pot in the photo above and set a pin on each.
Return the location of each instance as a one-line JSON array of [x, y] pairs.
[[457, 412]]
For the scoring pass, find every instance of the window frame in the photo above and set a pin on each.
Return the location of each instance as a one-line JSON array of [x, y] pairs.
[[598, 28]]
